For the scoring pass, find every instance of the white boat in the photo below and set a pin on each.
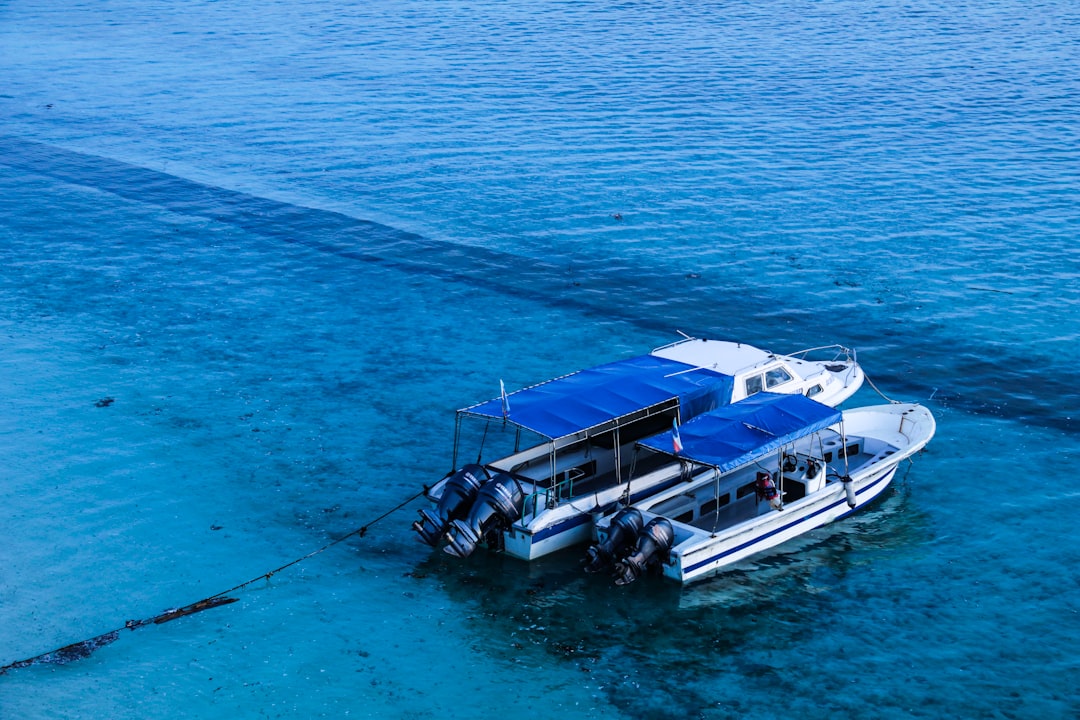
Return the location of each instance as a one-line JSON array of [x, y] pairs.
[[565, 450], [777, 466]]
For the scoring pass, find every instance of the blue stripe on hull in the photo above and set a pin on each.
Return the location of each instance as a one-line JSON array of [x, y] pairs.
[[559, 528], [576, 520], [883, 479]]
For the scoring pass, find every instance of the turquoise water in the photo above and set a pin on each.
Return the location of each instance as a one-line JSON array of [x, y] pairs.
[[287, 240]]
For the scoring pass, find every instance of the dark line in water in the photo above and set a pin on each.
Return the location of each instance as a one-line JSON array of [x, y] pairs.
[[978, 380], [83, 648]]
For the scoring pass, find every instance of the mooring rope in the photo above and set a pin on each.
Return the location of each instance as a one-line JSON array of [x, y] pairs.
[[885, 397], [83, 648]]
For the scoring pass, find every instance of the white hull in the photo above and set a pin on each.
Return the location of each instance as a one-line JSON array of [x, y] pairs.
[[523, 544], [560, 512], [741, 525], [707, 557], [572, 522]]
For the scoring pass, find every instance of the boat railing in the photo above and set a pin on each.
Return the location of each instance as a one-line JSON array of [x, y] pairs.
[[532, 501], [562, 490], [841, 351], [685, 338]]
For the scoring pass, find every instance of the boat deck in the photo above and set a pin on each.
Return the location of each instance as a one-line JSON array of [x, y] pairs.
[[729, 515]]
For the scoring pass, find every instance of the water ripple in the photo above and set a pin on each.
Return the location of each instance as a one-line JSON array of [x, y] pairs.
[[914, 358]]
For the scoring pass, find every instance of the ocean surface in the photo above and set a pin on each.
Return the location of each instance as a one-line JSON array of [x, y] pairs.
[[253, 255]]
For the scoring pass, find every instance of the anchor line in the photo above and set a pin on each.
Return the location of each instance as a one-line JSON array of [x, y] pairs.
[[885, 397], [83, 648]]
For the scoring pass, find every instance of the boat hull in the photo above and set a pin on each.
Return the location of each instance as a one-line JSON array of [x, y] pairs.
[[574, 522], [576, 474], [768, 531], [524, 544], [726, 518]]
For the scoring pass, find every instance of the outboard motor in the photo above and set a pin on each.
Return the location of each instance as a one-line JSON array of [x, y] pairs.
[[653, 545], [622, 531], [498, 505], [458, 495]]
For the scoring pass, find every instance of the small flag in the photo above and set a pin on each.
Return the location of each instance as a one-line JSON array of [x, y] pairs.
[[505, 400], [676, 441]]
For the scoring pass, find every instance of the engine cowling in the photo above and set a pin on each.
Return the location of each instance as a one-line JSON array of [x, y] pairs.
[[653, 544], [622, 532], [459, 494], [498, 505]]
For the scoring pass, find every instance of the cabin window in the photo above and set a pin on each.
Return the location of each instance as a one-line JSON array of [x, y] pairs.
[[747, 489], [753, 385], [715, 504], [685, 517], [776, 376], [816, 390]]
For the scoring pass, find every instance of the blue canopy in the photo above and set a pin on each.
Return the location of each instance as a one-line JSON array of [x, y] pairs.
[[589, 399], [747, 430]]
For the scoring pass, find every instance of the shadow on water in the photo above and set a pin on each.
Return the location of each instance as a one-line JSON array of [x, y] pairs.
[[980, 380], [657, 649]]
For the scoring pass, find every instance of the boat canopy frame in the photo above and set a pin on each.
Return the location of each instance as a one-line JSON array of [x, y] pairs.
[[555, 445], [589, 403], [746, 431]]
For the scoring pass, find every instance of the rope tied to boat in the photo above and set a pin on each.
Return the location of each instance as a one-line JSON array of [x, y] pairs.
[[883, 395], [83, 648]]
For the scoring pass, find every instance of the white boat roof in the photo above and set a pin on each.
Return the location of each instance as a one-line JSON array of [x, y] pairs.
[[719, 355]]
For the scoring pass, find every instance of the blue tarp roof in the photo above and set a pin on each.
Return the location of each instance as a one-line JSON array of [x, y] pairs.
[[739, 433], [590, 398]]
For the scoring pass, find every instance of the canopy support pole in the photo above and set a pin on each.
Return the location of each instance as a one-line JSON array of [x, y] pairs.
[[618, 465], [457, 440], [553, 485], [843, 443], [780, 472], [480, 452], [716, 501]]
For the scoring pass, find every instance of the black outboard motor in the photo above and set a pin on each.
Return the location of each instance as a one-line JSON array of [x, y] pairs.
[[498, 505], [622, 531], [653, 545], [458, 495]]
